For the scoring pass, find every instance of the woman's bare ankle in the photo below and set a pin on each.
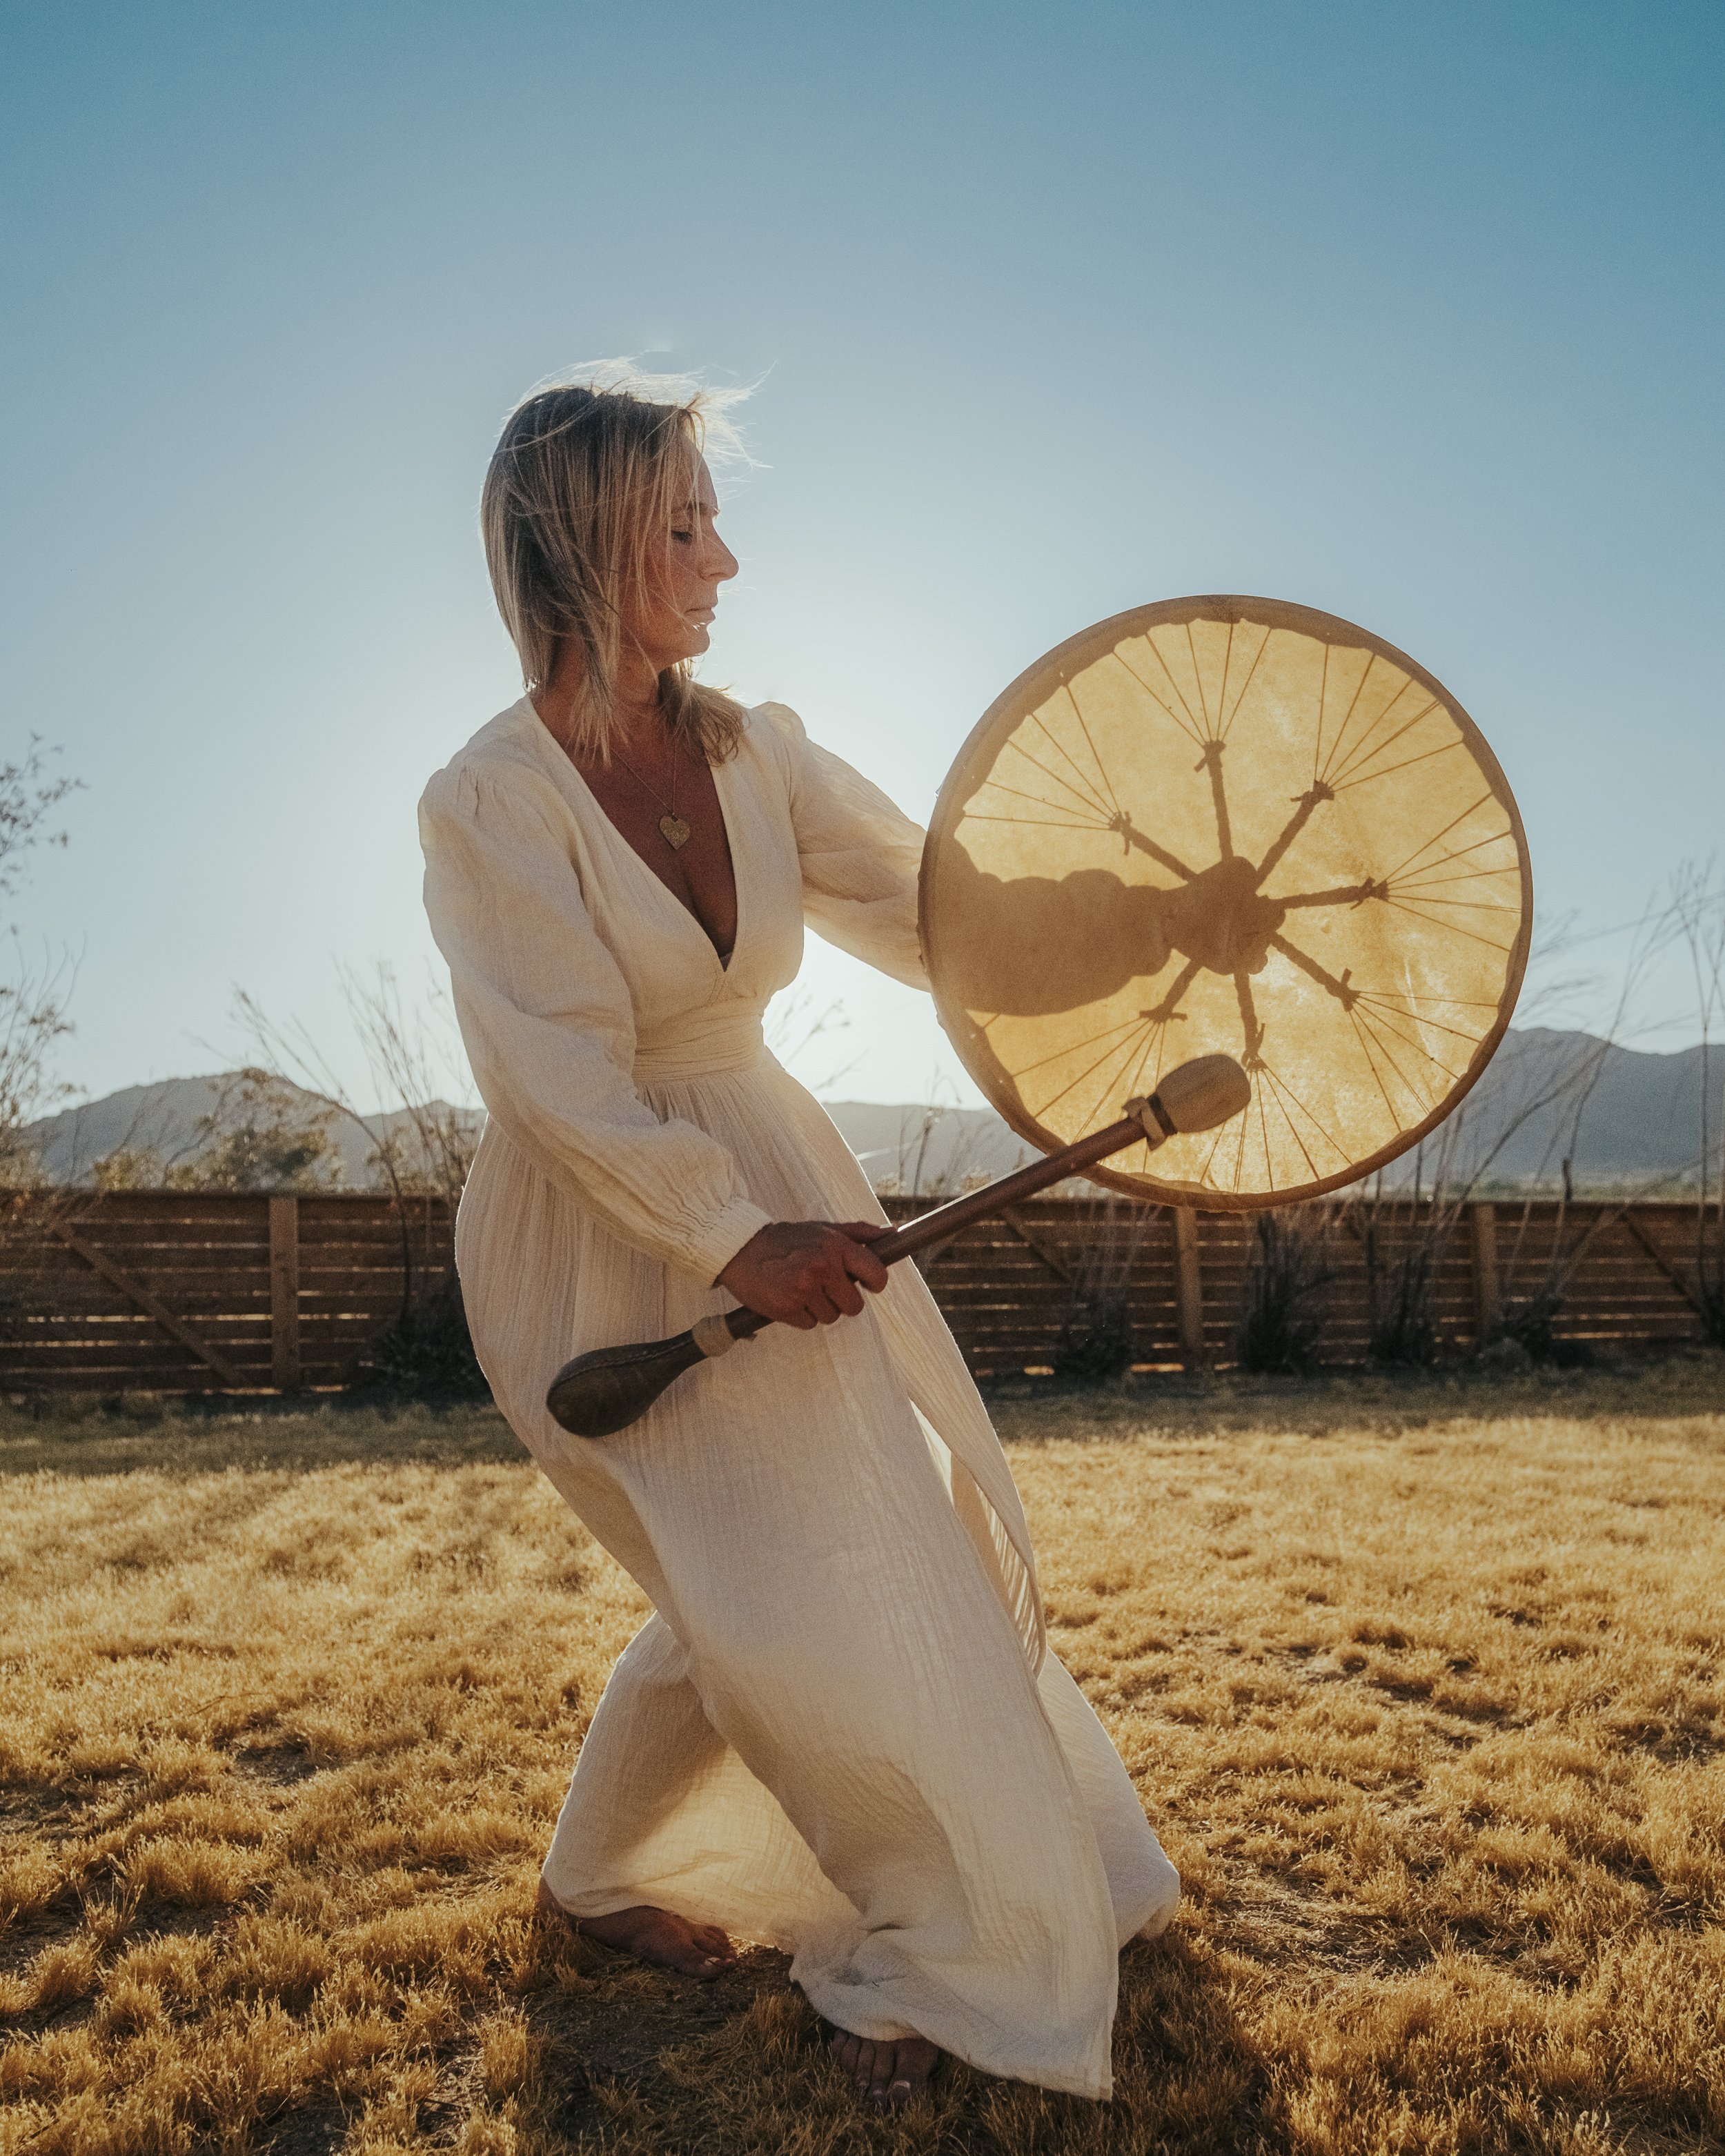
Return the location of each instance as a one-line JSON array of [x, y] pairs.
[[658, 1936]]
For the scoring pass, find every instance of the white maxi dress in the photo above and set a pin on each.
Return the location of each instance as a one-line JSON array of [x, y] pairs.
[[841, 1730]]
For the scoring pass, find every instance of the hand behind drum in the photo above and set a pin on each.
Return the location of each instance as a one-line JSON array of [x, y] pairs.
[[806, 1273]]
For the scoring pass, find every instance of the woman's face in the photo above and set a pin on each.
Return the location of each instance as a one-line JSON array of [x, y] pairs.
[[697, 561]]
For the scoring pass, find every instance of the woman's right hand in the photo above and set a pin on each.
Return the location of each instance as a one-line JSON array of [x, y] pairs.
[[806, 1273]]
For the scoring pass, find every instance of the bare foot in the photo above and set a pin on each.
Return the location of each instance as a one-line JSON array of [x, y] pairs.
[[888, 2075], [654, 1935]]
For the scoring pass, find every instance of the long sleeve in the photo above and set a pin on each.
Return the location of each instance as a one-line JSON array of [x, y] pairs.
[[860, 855], [546, 1017]]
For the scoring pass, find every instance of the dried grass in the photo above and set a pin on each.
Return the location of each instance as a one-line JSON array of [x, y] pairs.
[[1422, 1685]]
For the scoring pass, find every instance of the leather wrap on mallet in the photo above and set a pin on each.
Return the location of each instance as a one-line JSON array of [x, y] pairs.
[[606, 1390]]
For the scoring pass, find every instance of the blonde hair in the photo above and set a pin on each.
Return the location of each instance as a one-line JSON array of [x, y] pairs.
[[578, 504]]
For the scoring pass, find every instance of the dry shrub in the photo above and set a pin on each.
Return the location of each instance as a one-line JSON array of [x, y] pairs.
[[1422, 1685], [428, 1353], [1282, 1321], [1096, 1342]]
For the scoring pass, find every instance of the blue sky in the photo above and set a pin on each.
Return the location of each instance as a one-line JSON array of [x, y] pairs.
[[1411, 314]]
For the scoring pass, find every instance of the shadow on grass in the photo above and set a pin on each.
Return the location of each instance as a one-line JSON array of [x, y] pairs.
[[136, 1433], [71, 1435], [742, 2064], [1042, 1410]]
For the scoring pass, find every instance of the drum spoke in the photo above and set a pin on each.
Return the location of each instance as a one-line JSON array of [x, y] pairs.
[[1381, 1019], [1187, 725], [1284, 1090], [1093, 803], [1263, 645], [1395, 1117], [999, 786], [1154, 1036], [1072, 1085], [1248, 1019], [1133, 836], [1113, 1093], [1441, 883], [1076, 1047], [1364, 1026], [1415, 907], [1336, 752], [1323, 696], [1382, 1003], [1204, 1172], [1287, 1121], [1084, 728], [1460, 854], [1031, 822], [1211, 738], [1245, 1124], [1407, 996], [1308, 801], [1345, 994], [1437, 839], [1410, 895], [1351, 894], [1212, 761], [1041, 725], [1360, 754], [1371, 778]]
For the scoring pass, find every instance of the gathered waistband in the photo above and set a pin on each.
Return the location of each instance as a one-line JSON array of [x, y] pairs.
[[701, 1044]]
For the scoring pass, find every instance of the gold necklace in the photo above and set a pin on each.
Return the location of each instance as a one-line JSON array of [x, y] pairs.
[[672, 827]]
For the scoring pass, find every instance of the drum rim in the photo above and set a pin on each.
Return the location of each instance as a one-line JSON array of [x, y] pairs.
[[1078, 651]]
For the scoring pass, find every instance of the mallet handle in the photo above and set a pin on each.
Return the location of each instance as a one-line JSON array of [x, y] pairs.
[[608, 1389], [958, 1213]]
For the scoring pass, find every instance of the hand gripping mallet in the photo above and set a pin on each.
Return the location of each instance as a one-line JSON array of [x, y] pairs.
[[608, 1389]]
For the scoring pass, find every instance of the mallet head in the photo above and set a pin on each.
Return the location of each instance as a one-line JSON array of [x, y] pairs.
[[1194, 1096]]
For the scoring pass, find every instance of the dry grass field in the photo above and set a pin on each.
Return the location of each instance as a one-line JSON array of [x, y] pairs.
[[1422, 1684]]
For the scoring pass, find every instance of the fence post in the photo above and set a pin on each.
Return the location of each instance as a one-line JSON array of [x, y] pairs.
[[284, 1294], [1188, 1286], [1486, 1298]]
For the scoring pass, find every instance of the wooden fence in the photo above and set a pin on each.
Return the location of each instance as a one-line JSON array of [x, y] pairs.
[[1007, 1286], [185, 1292], [171, 1291]]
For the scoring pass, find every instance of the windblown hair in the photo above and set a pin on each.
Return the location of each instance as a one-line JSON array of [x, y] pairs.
[[577, 514]]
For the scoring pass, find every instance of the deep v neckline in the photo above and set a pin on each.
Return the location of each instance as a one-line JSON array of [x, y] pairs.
[[723, 960]]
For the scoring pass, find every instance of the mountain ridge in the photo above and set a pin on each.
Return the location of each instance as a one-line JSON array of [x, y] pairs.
[[1640, 1121]]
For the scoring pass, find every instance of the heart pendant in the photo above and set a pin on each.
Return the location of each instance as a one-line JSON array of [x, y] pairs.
[[673, 831]]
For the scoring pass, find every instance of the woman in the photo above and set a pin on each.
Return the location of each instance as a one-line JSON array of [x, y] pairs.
[[841, 1730]]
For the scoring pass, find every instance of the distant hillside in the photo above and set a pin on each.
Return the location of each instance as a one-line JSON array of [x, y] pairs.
[[916, 1148], [913, 1150], [1641, 1117], [1640, 1121], [165, 1120]]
